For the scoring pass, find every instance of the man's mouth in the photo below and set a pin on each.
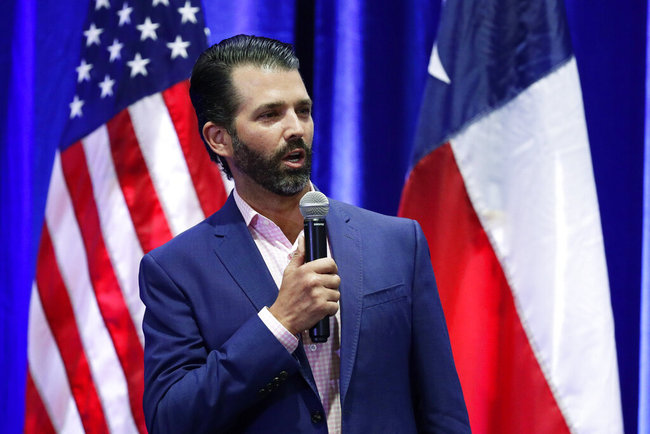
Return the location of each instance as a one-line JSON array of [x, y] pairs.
[[295, 158]]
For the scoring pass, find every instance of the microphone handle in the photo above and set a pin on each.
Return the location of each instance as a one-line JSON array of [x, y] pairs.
[[316, 248]]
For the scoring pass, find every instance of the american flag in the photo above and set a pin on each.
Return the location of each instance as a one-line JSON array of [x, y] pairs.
[[130, 173], [503, 186]]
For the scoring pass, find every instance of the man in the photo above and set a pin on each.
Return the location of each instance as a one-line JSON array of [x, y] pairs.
[[228, 301]]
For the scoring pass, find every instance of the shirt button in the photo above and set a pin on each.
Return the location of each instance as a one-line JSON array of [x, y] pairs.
[[312, 347]]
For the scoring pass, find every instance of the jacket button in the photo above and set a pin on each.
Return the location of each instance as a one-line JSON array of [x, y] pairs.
[[283, 375], [263, 391], [317, 417]]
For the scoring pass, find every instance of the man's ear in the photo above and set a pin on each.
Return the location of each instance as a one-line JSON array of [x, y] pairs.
[[218, 138]]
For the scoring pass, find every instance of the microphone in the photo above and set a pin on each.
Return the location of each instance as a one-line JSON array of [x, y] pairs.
[[314, 206]]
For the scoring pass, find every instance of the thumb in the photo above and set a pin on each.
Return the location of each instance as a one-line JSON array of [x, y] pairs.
[[298, 256]]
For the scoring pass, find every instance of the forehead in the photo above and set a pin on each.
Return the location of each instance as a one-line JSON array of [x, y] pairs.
[[258, 86]]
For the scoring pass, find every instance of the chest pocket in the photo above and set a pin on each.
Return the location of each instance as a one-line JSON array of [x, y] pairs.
[[386, 295], [385, 332]]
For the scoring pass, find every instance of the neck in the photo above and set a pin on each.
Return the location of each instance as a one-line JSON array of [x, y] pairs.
[[284, 211]]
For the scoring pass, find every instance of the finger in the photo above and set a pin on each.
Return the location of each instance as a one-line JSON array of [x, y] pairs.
[[324, 266], [333, 295], [332, 307], [298, 256], [330, 281]]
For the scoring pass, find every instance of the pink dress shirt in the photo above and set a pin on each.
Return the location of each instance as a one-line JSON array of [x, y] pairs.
[[323, 358]]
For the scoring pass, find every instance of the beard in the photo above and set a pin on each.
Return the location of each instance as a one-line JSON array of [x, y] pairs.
[[269, 172]]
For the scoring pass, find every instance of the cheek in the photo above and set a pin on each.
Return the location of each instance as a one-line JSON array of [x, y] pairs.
[[263, 140], [309, 132]]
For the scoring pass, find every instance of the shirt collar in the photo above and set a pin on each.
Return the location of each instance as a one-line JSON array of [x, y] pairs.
[[245, 209], [247, 212]]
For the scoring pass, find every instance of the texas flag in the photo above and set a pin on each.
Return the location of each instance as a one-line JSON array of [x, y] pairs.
[[502, 184]]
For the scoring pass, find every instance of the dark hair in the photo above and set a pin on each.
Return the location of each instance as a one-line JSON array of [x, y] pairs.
[[213, 94]]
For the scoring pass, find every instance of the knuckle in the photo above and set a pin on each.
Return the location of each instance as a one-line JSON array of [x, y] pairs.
[[313, 280]]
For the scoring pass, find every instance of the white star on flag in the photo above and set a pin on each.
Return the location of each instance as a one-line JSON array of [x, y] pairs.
[[125, 14], [75, 107], [188, 13], [178, 47], [148, 29], [162, 2], [83, 71], [107, 86], [102, 4], [92, 35], [115, 48], [436, 69], [138, 65]]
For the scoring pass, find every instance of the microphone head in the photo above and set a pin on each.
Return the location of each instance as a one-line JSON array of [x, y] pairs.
[[314, 205]]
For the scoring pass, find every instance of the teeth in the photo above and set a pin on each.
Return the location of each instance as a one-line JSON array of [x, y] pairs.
[[295, 156]]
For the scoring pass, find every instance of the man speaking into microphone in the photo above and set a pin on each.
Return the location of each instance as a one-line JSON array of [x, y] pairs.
[[230, 303]]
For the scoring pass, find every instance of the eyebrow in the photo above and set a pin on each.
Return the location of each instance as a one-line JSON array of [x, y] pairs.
[[277, 104]]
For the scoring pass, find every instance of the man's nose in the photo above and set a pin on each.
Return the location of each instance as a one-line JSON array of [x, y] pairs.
[[294, 126]]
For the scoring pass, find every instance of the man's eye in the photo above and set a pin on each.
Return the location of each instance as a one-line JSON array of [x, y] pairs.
[[268, 115]]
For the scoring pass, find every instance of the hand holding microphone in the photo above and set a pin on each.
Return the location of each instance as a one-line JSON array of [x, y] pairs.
[[309, 290], [314, 207]]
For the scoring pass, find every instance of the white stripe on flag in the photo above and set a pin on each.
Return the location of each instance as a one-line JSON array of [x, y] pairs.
[[166, 163], [71, 258], [48, 372], [527, 169], [117, 227]]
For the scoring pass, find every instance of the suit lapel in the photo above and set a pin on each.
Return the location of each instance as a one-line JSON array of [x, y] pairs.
[[346, 249], [237, 251]]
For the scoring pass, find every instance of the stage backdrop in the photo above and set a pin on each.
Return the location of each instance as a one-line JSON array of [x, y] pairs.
[[365, 63]]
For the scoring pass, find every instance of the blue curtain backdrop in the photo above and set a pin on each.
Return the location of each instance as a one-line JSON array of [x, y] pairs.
[[644, 358], [365, 62]]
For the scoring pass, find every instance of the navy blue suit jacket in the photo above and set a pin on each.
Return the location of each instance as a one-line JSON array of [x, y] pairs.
[[211, 365]]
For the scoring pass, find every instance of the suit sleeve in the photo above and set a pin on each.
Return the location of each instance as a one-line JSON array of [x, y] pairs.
[[438, 400], [187, 387]]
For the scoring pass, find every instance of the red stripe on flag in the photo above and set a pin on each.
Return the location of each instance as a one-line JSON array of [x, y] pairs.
[[37, 420], [205, 173], [60, 316], [109, 296], [504, 387], [139, 192]]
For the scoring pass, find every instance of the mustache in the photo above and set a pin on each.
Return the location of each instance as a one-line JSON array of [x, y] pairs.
[[297, 143]]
